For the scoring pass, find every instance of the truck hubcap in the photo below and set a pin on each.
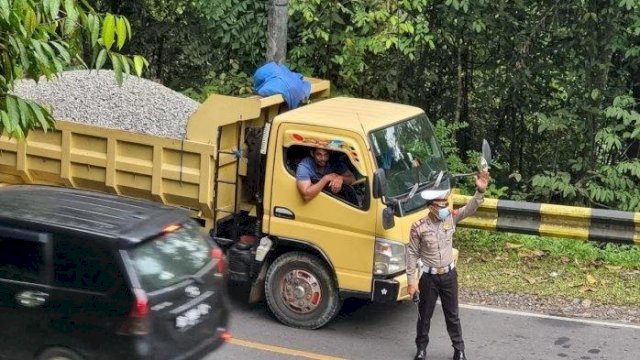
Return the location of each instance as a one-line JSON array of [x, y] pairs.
[[301, 291]]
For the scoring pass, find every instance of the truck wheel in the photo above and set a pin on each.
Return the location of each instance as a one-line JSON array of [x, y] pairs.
[[59, 353], [300, 292]]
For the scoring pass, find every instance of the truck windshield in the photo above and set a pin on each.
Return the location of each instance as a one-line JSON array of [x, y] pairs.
[[409, 154]]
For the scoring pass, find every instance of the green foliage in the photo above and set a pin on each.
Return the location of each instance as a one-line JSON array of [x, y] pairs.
[[547, 267], [230, 82], [364, 44], [42, 38], [191, 43], [545, 110], [613, 181], [551, 184], [477, 241], [445, 132]]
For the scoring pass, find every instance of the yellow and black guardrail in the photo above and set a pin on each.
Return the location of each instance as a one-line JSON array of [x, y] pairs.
[[554, 220]]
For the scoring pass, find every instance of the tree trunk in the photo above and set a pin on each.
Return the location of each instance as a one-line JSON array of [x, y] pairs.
[[160, 58], [460, 76], [277, 31], [466, 137], [633, 152], [600, 65]]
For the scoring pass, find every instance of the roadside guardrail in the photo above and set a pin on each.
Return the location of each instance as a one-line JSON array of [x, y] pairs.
[[570, 222]]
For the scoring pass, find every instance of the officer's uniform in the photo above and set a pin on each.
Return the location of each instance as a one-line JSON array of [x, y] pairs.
[[431, 242]]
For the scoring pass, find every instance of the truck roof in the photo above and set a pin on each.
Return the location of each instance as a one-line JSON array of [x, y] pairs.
[[101, 214], [350, 113]]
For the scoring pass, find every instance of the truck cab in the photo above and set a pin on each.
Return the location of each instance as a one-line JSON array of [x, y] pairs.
[[312, 254]]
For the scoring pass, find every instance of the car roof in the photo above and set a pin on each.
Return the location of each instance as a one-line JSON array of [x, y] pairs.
[[101, 214]]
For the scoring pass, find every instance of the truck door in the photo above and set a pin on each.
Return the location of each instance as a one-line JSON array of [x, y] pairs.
[[342, 227]]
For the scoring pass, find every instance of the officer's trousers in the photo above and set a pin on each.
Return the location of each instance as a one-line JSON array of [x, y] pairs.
[[446, 287]]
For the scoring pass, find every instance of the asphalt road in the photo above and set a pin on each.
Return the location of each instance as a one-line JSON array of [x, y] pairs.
[[379, 331]]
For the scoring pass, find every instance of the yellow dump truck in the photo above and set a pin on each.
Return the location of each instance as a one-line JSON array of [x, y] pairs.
[[235, 171]]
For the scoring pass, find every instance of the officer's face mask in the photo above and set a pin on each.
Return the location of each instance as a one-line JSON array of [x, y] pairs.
[[441, 211]]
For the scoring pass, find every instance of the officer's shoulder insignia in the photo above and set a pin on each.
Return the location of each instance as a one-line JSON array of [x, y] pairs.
[[420, 222]]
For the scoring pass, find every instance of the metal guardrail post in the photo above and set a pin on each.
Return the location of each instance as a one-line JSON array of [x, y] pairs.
[[554, 220]]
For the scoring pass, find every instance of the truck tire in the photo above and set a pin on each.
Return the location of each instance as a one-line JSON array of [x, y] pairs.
[[59, 353], [300, 291]]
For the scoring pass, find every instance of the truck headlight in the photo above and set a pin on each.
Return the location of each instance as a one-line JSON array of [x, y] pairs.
[[389, 257]]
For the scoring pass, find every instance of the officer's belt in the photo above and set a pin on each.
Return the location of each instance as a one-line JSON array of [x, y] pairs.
[[438, 270]]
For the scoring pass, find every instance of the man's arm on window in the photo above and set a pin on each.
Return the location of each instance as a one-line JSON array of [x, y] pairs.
[[309, 190]]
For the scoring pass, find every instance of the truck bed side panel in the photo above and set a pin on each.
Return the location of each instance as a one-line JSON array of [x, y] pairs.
[[172, 171]]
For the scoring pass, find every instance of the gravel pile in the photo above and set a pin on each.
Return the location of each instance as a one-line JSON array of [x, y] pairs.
[[556, 306], [94, 97]]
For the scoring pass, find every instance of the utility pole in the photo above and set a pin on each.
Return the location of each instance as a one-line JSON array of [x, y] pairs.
[[277, 31]]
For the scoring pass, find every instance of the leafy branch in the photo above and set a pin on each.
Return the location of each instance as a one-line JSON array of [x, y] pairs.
[[43, 38]]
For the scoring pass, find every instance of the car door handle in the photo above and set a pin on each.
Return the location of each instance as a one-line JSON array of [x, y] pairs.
[[283, 212], [31, 298]]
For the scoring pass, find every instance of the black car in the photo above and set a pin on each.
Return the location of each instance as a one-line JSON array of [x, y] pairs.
[[88, 275]]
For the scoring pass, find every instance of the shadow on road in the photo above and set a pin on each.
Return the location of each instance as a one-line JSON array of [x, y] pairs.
[[354, 312], [351, 307], [365, 313], [239, 294]]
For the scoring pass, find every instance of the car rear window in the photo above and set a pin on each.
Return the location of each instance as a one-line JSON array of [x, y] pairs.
[[171, 257]]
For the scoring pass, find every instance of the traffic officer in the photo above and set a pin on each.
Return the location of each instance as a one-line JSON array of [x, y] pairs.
[[431, 242]]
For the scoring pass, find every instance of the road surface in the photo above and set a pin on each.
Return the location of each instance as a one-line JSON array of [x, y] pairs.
[[378, 331]]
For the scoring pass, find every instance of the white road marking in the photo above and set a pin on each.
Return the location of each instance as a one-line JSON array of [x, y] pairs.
[[543, 316]]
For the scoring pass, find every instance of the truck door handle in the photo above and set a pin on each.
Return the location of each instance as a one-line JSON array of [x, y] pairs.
[[31, 298], [283, 212]]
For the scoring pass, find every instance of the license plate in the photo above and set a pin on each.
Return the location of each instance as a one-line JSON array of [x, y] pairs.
[[192, 317]]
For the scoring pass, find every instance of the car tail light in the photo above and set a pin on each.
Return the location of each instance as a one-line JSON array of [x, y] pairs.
[[141, 308], [138, 319], [224, 334], [216, 253]]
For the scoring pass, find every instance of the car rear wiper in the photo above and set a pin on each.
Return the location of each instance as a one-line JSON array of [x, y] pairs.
[[194, 277]]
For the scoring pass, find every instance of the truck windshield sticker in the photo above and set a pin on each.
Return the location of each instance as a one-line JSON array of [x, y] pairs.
[[329, 143]]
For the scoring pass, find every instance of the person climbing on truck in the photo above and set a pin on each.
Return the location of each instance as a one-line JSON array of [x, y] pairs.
[[317, 171]]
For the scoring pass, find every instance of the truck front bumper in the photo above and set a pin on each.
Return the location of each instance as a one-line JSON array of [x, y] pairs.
[[388, 290]]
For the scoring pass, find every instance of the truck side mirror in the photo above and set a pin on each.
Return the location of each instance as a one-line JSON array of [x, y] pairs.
[[388, 219], [379, 183]]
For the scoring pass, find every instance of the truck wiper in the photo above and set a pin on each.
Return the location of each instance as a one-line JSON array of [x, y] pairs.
[[432, 183]]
